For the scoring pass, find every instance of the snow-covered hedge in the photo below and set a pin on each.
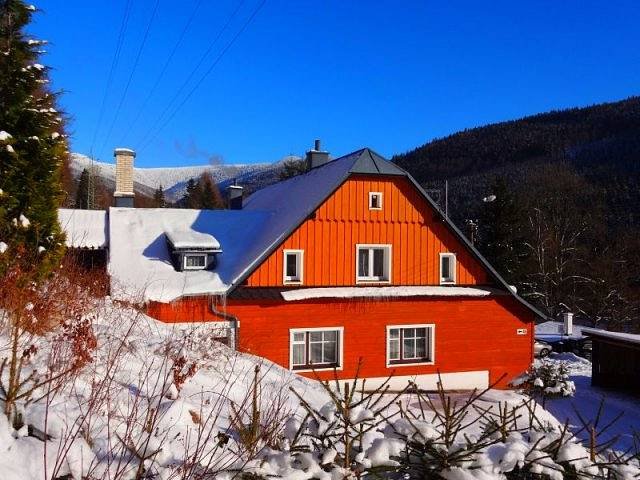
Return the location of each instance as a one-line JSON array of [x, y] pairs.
[[548, 378]]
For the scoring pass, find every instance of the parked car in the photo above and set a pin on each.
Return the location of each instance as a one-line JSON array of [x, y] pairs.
[[541, 349]]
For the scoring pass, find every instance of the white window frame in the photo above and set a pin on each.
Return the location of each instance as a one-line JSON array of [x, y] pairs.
[[454, 268], [380, 198], [300, 267], [387, 258], [340, 331], [430, 347], [184, 261]]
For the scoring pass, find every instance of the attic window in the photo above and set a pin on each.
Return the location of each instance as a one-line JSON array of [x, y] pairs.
[[447, 268], [373, 263], [293, 266], [375, 200], [195, 261]]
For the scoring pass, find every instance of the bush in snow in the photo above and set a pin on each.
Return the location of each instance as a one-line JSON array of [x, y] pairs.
[[547, 378]]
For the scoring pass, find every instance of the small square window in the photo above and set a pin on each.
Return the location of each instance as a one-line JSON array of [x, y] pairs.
[[447, 268], [195, 261], [375, 200], [293, 266], [373, 263]]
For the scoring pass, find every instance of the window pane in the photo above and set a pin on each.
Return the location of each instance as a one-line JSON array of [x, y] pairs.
[[421, 350], [315, 354], [394, 349], [330, 352], [298, 354], [421, 332], [446, 268], [378, 263], [409, 332], [298, 337], [330, 335], [409, 348], [315, 336], [292, 265], [394, 333], [195, 260], [375, 201], [363, 263]]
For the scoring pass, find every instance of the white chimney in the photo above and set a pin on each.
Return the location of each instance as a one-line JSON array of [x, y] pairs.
[[568, 323], [123, 196]]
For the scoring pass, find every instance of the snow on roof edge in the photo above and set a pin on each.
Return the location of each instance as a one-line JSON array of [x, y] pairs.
[[383, 292], [625, 337]]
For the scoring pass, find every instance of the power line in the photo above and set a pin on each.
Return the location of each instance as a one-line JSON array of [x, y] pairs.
[[193, 72], [165, 67], [206, 74], [133, 71], [114, 63]]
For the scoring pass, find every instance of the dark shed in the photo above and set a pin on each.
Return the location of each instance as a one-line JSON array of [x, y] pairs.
[[616, 359]]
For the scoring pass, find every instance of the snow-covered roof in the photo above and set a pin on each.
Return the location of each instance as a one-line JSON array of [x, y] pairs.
[[185, 239], [84, 228], [625, 337], [139, 259], [384, 292], [552, 328]]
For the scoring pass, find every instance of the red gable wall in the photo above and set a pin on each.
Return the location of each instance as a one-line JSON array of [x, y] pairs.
[[406, 221]]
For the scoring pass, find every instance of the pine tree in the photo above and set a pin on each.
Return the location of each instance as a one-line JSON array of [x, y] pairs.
[[158, 198], [193, 196], [501, 231], [210, 195], [82, 195], [293, 167], [32, 145]]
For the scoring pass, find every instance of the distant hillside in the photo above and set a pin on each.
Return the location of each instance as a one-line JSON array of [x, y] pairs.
[[601, 142], [174, 179]]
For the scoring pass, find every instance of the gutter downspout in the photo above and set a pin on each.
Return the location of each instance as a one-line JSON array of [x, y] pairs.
[[232, 319]]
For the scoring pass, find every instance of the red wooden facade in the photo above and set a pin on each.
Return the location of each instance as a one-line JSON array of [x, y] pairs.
[[492, 334]]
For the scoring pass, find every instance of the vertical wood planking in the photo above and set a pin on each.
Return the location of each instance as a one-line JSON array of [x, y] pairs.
[[406, 222]]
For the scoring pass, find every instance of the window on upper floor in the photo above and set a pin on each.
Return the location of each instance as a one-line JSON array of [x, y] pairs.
[[373, 263], [293, 266], [375, 200], [315, 348], [409, 344], [195, 261], [447, 268]]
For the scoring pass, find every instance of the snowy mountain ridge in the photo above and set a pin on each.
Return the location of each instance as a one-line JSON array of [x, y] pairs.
[[174, 179]]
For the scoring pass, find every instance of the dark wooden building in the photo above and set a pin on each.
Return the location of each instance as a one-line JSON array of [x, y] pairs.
[[616, 359]]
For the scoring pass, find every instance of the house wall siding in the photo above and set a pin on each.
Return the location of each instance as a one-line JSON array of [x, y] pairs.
[[470, 334], [406, 222]]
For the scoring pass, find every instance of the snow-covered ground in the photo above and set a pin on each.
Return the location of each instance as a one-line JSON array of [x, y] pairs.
[[168, 400], [587, 402]]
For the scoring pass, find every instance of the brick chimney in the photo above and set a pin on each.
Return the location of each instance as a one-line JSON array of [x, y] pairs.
[[316, 157], [123, 196]]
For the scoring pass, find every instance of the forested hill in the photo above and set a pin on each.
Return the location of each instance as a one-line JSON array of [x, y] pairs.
[[553, 200], [606, 133]]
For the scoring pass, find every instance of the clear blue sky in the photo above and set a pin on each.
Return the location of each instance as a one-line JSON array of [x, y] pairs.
[[389, 75]]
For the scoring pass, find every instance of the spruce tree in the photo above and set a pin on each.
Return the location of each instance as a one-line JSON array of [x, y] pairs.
[[32, 145], [158, 198], [502, 231], [82, 195], [193, 196], [210, 195]]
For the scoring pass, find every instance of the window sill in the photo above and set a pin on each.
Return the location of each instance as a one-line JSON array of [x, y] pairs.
[[409, 364], [452, 282], [292, 282], [320, 369], [366, 281]]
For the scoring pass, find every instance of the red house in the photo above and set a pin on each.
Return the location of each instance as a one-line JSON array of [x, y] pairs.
[[350, 263]]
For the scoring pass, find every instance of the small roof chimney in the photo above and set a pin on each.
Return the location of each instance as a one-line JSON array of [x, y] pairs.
[[123, 196], [316, 157], [234, 197]]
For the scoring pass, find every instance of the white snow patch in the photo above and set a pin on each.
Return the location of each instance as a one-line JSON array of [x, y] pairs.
[[192, 239], [10, 149], [627, 337], [3, 247], [84, 228], [4, 136], [376, 292]]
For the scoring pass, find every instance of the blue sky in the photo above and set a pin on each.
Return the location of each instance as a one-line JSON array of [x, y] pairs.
[[388, 75]]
